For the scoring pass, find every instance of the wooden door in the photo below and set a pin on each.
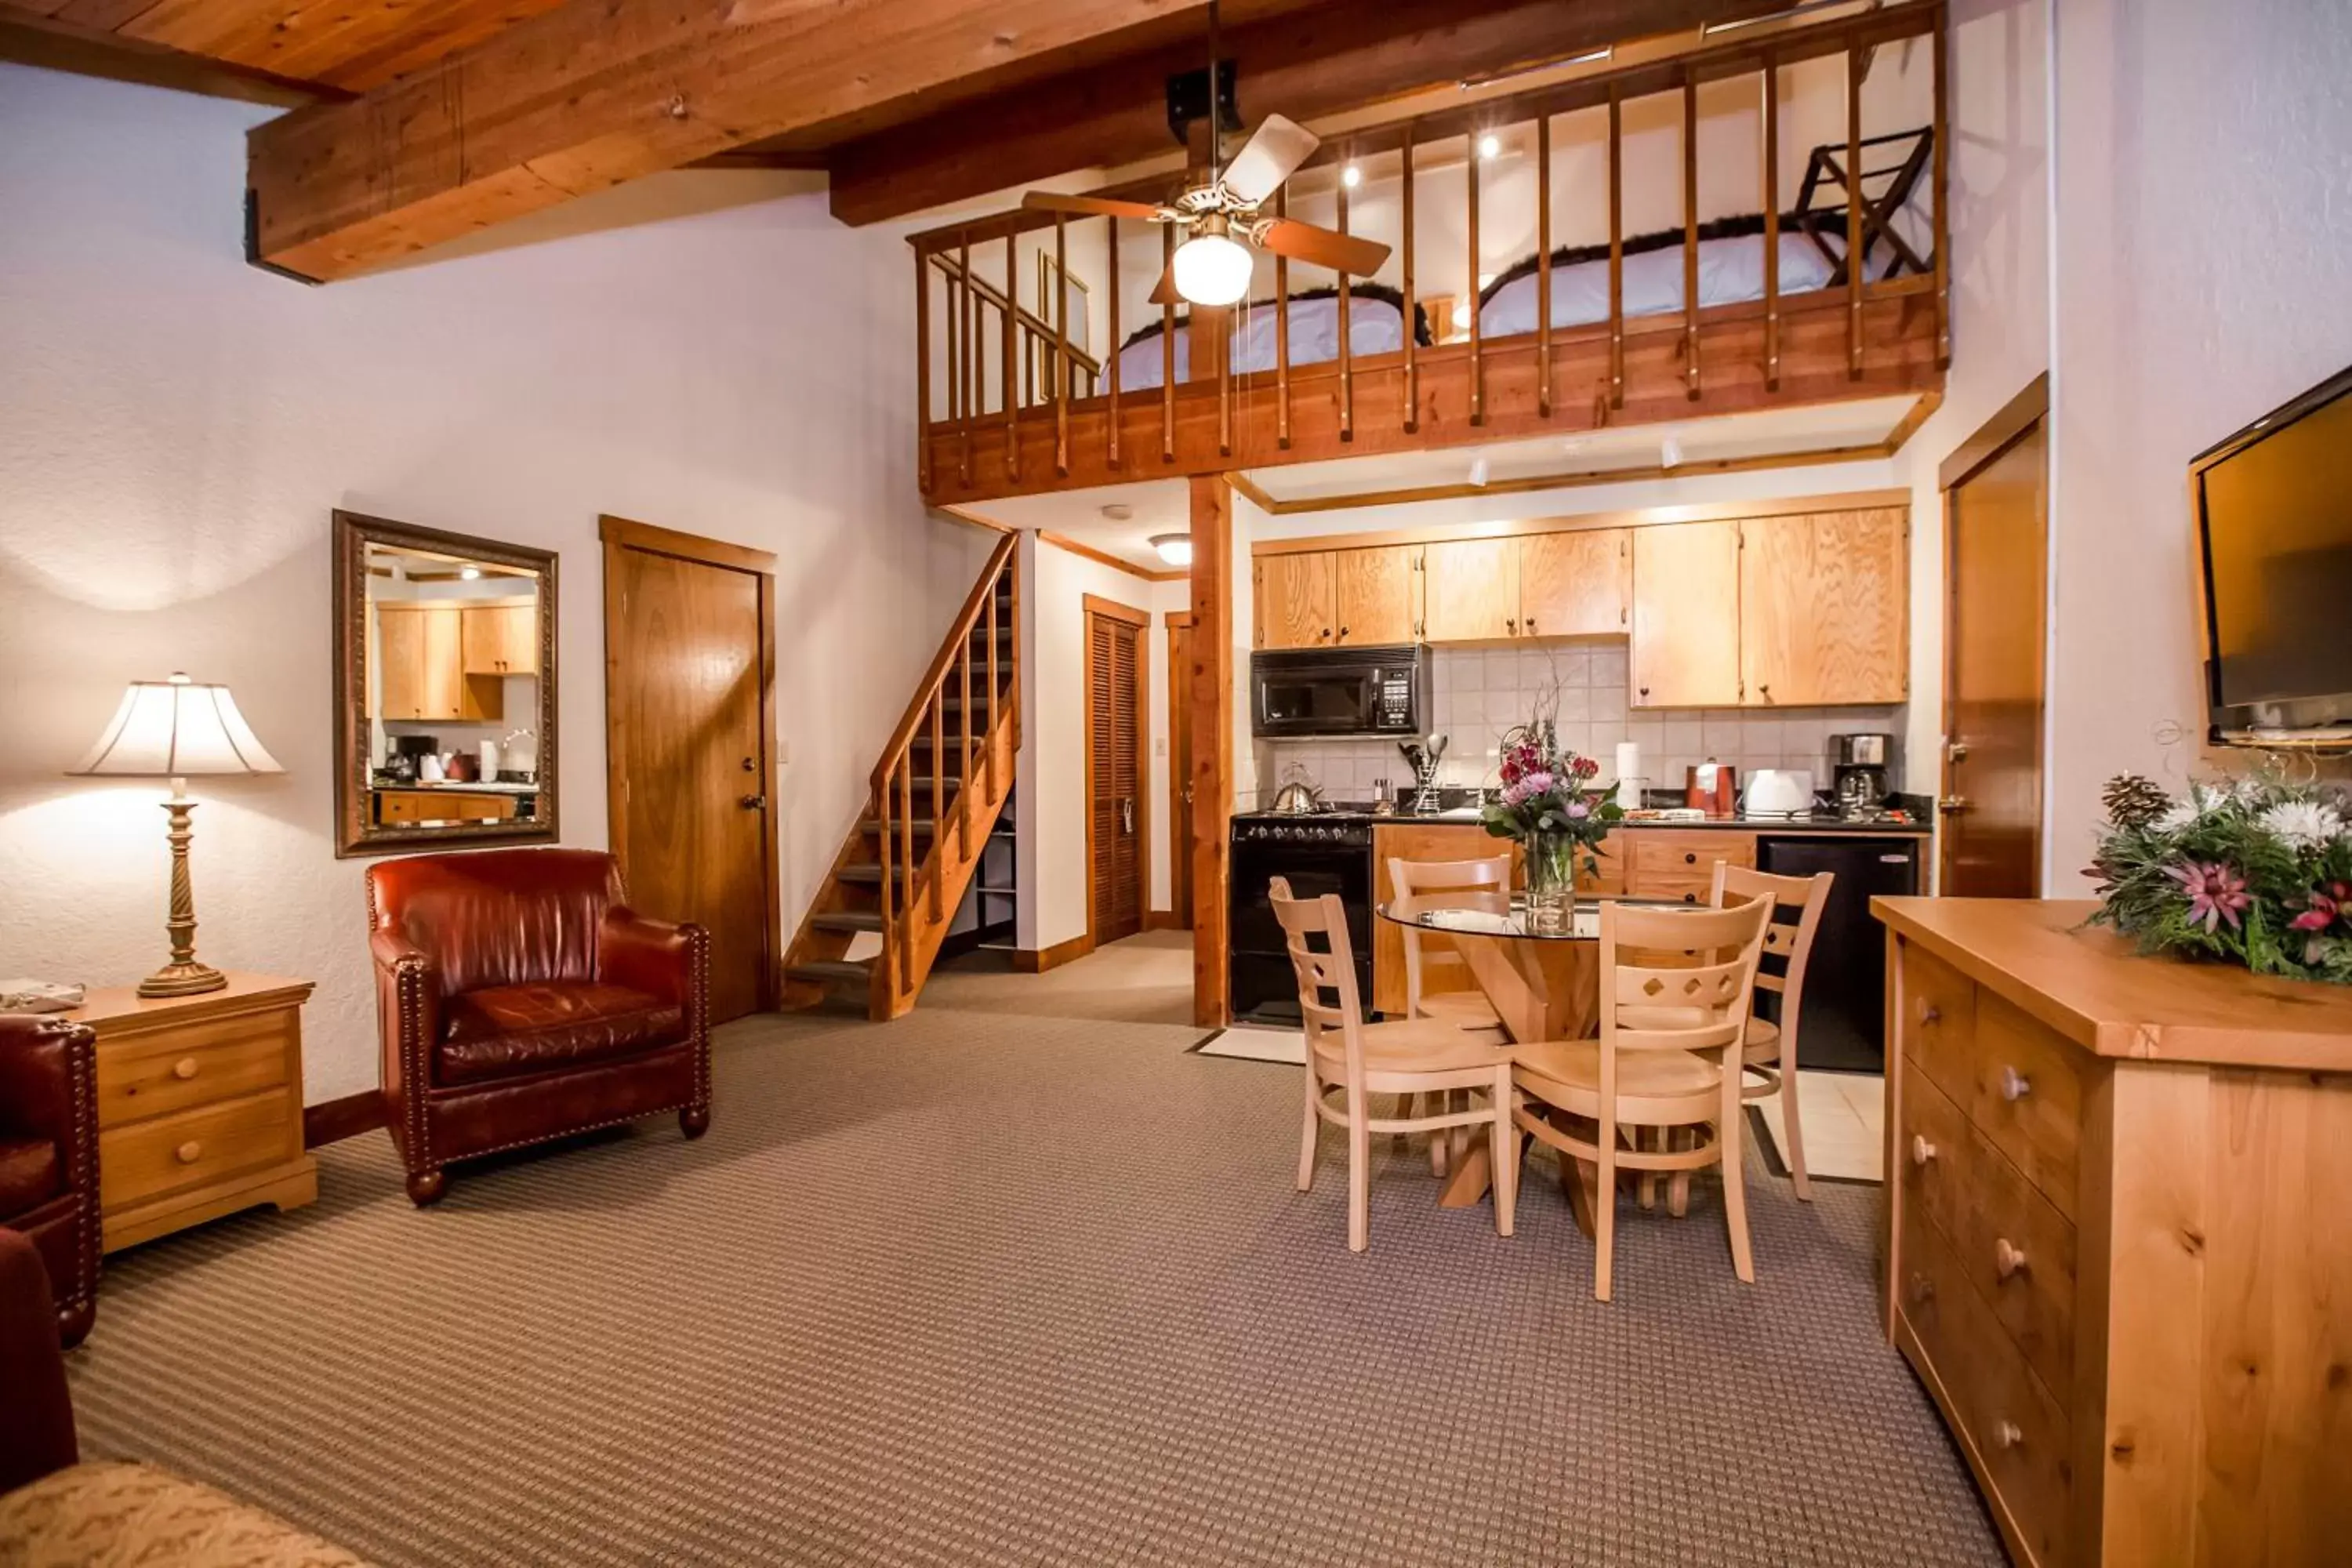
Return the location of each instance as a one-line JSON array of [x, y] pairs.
[[1685, 630], [1824, 609], [1117, 825], [1294, 600], [1576, 585], [1376, 594], [1470, 589], [690, 671], [1179, 771], [400, 656], [1996, 497]]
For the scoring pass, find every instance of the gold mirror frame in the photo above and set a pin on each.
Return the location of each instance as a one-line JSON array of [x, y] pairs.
[[356, 834]]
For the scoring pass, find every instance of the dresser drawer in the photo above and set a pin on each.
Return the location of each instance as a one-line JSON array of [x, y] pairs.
[[2018, 1434], [2016, 1080], [2012, 1244], [199, 1063], [1668, 864], [1940, 1010], [163, 1155]]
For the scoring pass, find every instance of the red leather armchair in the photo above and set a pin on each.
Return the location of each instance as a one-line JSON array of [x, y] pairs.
[[48, 1156], [520, 999]]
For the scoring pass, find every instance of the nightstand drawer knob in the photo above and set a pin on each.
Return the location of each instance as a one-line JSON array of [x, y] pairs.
[[2008, 1434], [189, 1152], [184, 1068], [1921, 1150], [2014, 1084], [2007, 1260], [1929, 1012], [1922, 1290]]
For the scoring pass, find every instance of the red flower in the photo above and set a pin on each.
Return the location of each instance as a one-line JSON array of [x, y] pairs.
[[2216, 892], [2322, 909]]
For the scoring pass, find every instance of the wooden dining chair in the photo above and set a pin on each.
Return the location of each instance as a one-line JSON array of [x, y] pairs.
[[1771, 1049], [1674, 990], [1448, 885], [1358, 1060]]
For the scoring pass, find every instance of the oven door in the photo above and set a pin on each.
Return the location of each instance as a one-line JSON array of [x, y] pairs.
[[1264, 985], [1292, 696]]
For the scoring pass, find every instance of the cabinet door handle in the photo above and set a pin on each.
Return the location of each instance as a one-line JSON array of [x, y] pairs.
[[2014, 1084], [1690, 859], [1327, 631], [189, 1152], [1531, 626], [1343, 632], [1764, 691], [2007, 1260], [1690, 898], [1511, 624], [1645, 692], [1921, 1150], [184, 1068]]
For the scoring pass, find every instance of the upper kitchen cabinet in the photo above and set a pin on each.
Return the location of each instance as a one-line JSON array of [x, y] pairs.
[[1576, 585], [1471, 588], [1294, 600], [1824, 609], [500, 638], [1685, 623], [1376, 594]]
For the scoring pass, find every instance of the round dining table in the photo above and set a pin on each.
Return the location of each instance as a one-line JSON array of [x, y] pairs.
[[1544, 985]]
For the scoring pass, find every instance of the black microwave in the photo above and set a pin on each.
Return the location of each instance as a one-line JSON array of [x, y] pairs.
[[1338, 692]]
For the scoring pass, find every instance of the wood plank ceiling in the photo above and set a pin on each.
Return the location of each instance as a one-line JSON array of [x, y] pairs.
[[418, 120]]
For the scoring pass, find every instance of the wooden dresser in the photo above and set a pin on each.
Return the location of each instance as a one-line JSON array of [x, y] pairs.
[[2117, 1247], [199, 1105]]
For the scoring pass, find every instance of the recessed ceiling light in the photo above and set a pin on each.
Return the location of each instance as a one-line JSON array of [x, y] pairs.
[[1351, 176], [1176, 549], [1490, 146], [470, 573], [1119, 511], [1478, 472], [1670, 453]]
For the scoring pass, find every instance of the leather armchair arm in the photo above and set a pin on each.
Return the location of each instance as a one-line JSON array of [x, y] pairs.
[[45, 1066], [408, 1007], [655, 957]]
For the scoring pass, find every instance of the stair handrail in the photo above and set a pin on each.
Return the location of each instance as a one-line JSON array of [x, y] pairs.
[[929, 687]]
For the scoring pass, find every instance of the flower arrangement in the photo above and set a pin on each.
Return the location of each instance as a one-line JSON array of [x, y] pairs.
[[2257, 872], [1549, 805]]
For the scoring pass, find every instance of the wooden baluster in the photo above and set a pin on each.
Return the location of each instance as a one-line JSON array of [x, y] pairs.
[[1543, 266], [1854, 65], [1616, 247], [922, 369], [938, 796], [1111, 344], [1771, 222], [1010, 350], [1346, 347], [905, 871], [959, 358], [1941, 196], [1412, 340], [1167, 351], [991, 743], [1282, 331], [1690, 235], [1061, 345], [963, 739], [1470, 287], [882, 853]]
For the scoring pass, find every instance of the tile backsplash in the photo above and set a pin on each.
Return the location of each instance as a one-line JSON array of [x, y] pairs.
[[1478, 693]]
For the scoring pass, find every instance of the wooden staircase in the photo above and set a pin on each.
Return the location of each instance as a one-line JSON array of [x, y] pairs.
[[936, 796]]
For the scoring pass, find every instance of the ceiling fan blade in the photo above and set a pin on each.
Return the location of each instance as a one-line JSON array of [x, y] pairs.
[[1165, 291], [1268, 158], [1321, 246], [1091, 207]]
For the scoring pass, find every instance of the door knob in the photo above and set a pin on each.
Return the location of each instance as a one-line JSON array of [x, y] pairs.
[[755, 802], [1126, 815], [1958, 750], [1952, 805]]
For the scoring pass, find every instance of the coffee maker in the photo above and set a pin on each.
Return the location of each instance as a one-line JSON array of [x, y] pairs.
[[1860, 775], [408, 752]]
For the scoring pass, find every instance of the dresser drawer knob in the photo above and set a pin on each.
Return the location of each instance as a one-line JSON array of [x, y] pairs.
[[1923, 1289], [2007, 1435], [189, 1152], [184, 1068], [2007, 1260], [1921, 1150], [1929, 1012], [2014, 1084]]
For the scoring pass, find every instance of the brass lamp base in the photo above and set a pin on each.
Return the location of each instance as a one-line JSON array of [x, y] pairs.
[[190, 979], [183, 976]]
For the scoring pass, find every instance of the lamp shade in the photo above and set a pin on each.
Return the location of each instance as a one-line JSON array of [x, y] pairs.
[[171, 729]]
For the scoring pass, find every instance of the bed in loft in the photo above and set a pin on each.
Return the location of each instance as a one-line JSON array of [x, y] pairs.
[[1375, 326]]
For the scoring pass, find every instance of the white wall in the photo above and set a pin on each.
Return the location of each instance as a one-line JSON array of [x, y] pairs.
[[2204, 266], [175, 425]]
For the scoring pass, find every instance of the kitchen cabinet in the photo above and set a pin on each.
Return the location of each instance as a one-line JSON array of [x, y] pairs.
[[1470, 590], [499, 640], [1292, 599], [1405, 838], [1686, 616], [1823, 608], [1376, 594], [421, 645], [1576, 585], [401, 807]]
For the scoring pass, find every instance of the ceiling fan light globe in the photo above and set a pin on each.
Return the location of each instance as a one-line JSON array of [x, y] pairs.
[[1213, 269]]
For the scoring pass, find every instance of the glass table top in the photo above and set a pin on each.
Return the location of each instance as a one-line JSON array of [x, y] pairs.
[[1584, 921]]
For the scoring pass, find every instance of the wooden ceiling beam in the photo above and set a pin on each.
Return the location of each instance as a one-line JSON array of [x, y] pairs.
[[60, 44], [1305, 64], [596, 92]]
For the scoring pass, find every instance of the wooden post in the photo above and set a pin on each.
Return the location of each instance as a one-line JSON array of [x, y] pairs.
[[1771, 222], [960, 369], [1543, 265], [1061, 345], [1470, 288], [938, 800], [1616, 249], [1282, 331], [922, 369], [1855, 67], [1008, 353], [1111, 338], [1412, 340], [1941, 196], [1347, 349], [1690, 236], [1167, 351], [1212, 711]]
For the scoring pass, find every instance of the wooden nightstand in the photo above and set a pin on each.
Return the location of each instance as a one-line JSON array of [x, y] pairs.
[[199, 1105]]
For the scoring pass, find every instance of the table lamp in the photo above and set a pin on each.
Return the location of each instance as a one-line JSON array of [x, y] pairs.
[[172, 729]]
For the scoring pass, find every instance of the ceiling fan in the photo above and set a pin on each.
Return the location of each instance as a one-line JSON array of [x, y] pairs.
[[1214, 265]]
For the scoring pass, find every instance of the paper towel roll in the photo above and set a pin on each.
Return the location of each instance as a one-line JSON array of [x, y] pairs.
[[1629, 773]]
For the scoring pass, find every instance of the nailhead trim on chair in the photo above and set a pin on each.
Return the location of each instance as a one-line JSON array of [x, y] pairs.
[[82, 1068]]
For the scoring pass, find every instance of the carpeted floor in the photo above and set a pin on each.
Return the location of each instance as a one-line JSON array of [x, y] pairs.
[[1145, 979], [994, 1289]]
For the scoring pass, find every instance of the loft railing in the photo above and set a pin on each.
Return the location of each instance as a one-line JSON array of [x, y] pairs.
[[978, 414], [913, 887]]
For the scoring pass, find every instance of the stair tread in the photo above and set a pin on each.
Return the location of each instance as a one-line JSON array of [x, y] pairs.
[[832, 969], [847, 919], [924, 825], [870, 873]]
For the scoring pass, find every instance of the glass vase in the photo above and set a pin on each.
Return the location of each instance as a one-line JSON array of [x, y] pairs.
[[1551, 883]]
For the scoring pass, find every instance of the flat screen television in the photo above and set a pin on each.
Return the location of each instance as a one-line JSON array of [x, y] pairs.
[[2275, 527]]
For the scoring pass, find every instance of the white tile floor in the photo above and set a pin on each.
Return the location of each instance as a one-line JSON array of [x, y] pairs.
[[1844, 1115]]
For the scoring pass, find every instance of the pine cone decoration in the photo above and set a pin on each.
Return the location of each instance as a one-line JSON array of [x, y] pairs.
[[2133, 801]]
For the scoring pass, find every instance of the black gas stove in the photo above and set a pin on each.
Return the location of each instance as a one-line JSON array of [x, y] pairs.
[[1318, 852]]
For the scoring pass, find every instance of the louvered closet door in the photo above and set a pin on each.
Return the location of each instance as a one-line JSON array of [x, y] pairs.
[[1115, 807]]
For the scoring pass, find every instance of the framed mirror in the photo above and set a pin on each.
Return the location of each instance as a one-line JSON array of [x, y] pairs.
[[445, 689]]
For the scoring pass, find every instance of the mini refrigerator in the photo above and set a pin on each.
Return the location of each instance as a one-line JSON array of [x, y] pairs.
[[1843, 1027]]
